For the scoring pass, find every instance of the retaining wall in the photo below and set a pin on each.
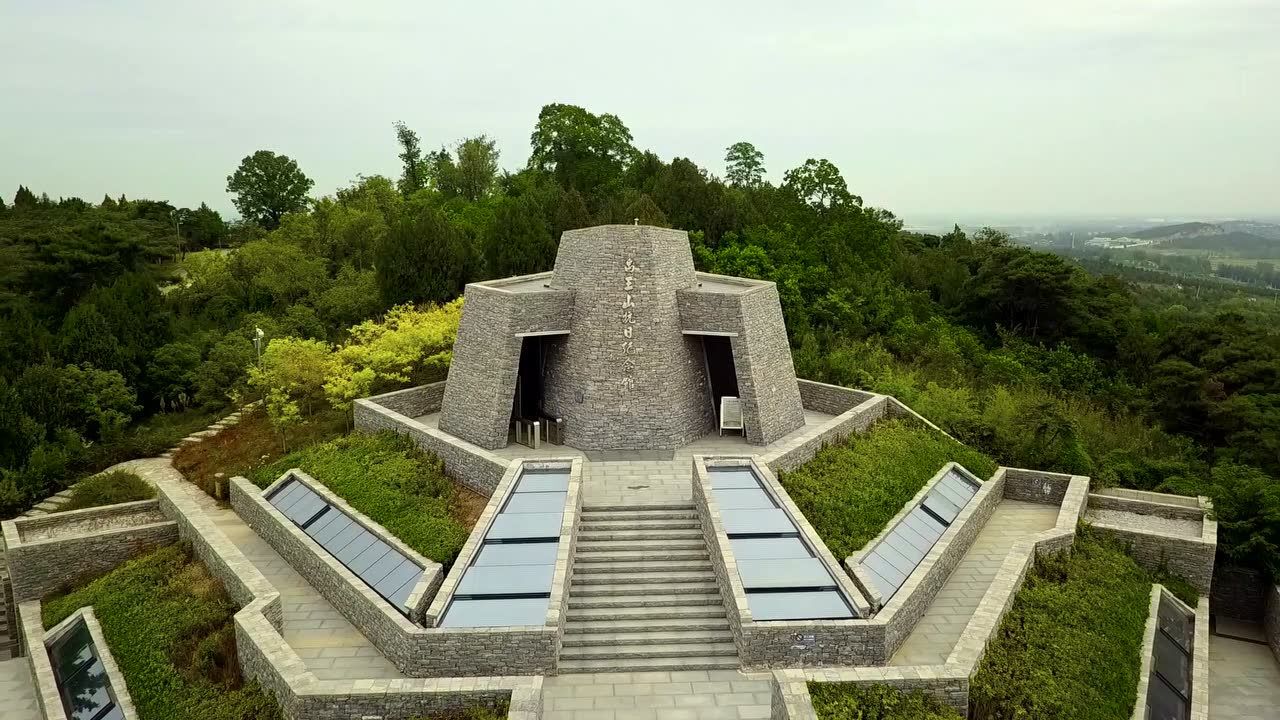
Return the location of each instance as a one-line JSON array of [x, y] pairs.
[[1240, 593], [471, 465], [1271, 619], [811, 439], [1156, 549], [94, 544], [830, 399]]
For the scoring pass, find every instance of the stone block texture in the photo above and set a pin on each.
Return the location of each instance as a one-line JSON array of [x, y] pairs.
[[40, 567], [1158, 544], [415, 401], [1271, 619], [625, 376], [830, 399], [812, 439], [1240, 593], [771, 400]]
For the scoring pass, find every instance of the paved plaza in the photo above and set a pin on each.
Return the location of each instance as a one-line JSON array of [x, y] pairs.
[[679, 695], [1244, 680], [940, 628], [17, 691]]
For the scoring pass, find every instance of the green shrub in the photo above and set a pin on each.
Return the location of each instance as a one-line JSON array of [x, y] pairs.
[[389, 479], [166, 622], [1070, 646], [471, 713], [109, 489], [850, 490], [849, 701]]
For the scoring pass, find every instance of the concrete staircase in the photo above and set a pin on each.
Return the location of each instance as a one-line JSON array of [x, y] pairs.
[[644, 596]]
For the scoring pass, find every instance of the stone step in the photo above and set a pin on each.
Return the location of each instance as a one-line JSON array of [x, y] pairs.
[[656, 577], [698, 587], [607, 638], [650, 600], [48, 505], [65, 494], [645, 652], [645, 516], [646, 613], [645, 525], [646, 625], [598, 545], [688, 507], [568, 667], [654, 535], [613, 556], [644, 568]]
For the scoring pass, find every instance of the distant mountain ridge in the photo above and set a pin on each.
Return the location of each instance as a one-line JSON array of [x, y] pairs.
[[1241, 236]]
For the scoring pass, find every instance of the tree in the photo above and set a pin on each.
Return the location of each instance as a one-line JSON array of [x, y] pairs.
[[413, 176], [571, 213], [422, 258], [1247, 504], [86, 337], [476, 167], [108, 203], [820, 184], [518, 242], [205, 227], [646, 212], [744, 165], [24, 198], [267, 186], [585, 152], [171, 374]]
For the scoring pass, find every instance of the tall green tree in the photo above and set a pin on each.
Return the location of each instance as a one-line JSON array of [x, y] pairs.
[[820, 184], [744, 165], [585, 152], [413, 173], [422, 258], [476, 168], [86, 337], [24, 198], [266, 186], [518, 242]]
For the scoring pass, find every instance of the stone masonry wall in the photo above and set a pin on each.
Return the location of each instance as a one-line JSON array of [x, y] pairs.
[[1239, 593], [830, 399], [415, 401], [482, 375], [1035, 486], [40, 568], [1145, 507], [46, 686], [469, 464], [627, 378], [856, 420]]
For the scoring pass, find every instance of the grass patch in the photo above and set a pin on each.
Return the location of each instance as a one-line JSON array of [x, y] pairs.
[[168, 624], [849, 701], [110, 488], [471, 713], [249, 445], [1069, 647], [388, 478], [850, 490]]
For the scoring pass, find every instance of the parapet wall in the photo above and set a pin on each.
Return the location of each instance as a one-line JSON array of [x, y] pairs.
[[415, 401], [1162, 536], [813, 438], [80, 544], [830, 399]]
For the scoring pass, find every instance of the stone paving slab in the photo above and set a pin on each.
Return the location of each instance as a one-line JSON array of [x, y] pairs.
[[17, 691], [1244, 680], [938, 630], [675, 695]]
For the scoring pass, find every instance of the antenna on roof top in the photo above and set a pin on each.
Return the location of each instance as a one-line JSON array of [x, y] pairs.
[[637, 221]]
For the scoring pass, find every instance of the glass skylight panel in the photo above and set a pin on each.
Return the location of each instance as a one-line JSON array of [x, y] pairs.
[[535, 553], [1173, 622], [383, 568], [749, 498], [732, 477], [786, 573], [742, 521], [507, 612], [1172, 663], [1169, 688], [536, 502], [81, 678], [804, 605], [768, 548], [1163, 702], [543, 481], [525, 526], [507, 580]]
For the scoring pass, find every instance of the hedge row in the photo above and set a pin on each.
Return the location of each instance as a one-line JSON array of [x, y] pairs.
[[110, 488], [852, 489], [1070, 646], [168, 624], [848, 701], [392, 481]]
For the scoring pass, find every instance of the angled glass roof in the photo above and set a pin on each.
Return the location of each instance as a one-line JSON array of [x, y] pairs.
[[508, 584], [782, 577], [900, 551], [1169, 688], [383, 568], [81, 678]]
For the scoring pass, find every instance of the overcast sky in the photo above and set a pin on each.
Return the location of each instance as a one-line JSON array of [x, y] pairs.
[[965, 107]]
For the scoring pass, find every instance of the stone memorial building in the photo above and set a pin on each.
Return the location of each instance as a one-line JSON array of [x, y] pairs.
[[626, 343]]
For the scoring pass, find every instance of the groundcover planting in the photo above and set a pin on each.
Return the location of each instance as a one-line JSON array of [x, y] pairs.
[[847, 701]]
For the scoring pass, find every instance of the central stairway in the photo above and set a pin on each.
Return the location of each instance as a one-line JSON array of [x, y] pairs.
[[644, 595]]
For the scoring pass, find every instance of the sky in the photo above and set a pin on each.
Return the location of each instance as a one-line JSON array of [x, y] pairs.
[[969, 108]]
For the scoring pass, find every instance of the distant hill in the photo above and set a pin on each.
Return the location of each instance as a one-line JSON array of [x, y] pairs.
[[1235, 236]]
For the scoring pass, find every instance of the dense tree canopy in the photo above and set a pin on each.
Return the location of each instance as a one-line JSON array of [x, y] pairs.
[[266, 186]]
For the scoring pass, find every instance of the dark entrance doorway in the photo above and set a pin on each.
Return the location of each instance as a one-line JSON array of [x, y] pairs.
[[528, 398], [721, 372]]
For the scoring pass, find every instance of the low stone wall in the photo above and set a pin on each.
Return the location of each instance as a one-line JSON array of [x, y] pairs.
[[469, 464], [1149, 496], [40, 567], [1239, 593], [814, 438], [1199, 653], [830, 399], [1035, 486], [47, 697], [790, 688], [1158, 549], [1271, 619], [416, 651], [413, 402]]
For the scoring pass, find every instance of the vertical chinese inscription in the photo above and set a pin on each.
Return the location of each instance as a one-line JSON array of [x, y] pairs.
[[628, 362]]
